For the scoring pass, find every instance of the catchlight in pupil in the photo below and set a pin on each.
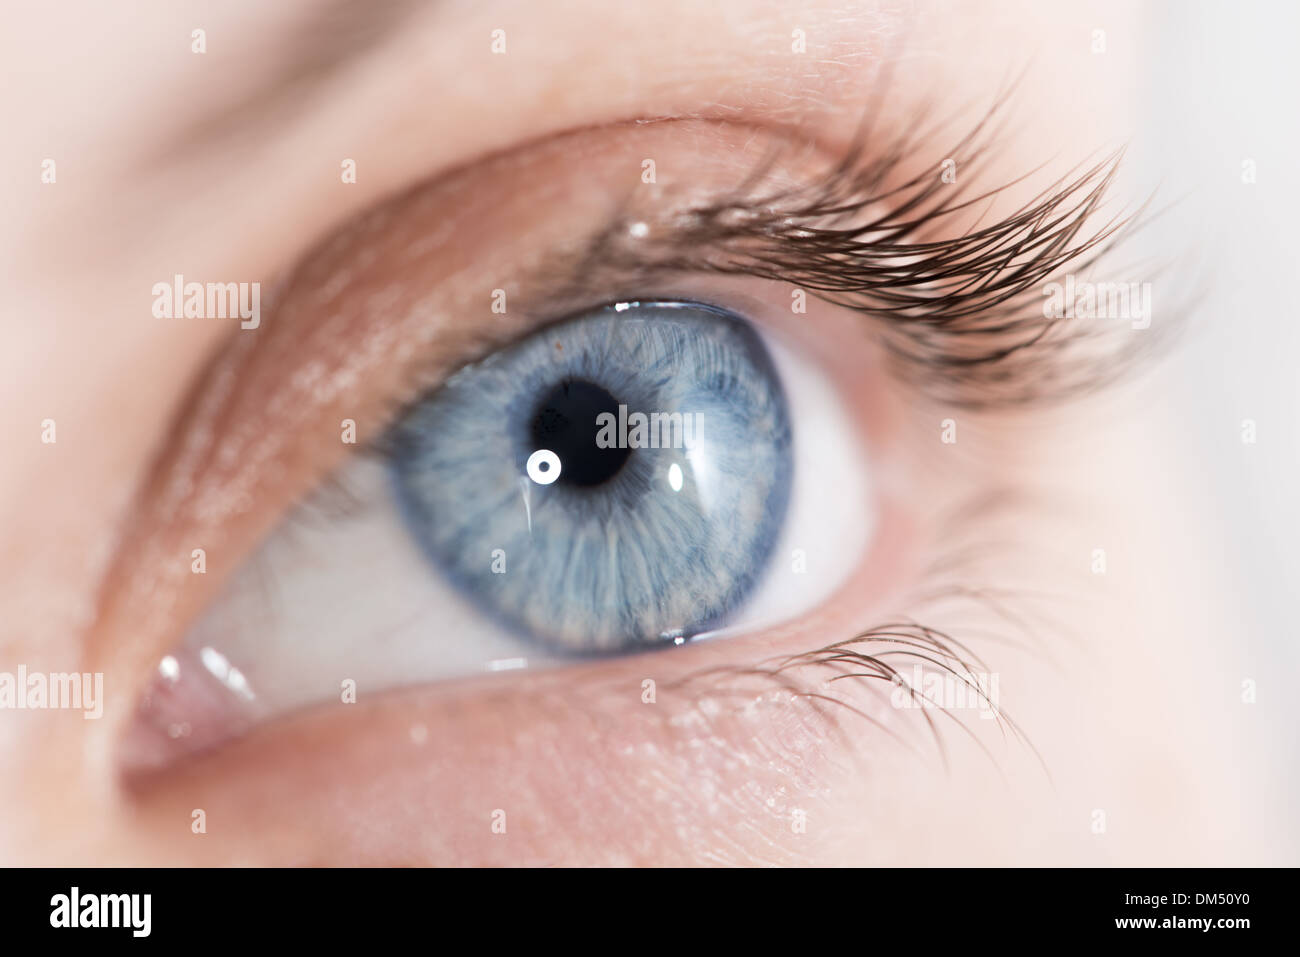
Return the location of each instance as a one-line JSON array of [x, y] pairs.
[[565, 423]]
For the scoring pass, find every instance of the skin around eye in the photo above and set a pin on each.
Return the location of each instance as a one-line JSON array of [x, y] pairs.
[[226, 166]]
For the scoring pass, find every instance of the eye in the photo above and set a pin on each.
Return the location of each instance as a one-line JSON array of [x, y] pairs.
[[641, 475], [613, 482], [477, 529]]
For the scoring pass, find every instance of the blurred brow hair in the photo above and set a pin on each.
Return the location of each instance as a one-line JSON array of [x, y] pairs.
[[328, 39]]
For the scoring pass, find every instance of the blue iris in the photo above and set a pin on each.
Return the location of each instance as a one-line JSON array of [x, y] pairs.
[[611, 482]]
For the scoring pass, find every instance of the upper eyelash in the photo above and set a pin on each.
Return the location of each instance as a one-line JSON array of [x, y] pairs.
[[963, 315]]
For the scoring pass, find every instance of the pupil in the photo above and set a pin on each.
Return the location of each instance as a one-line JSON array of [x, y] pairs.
[[565, 423]]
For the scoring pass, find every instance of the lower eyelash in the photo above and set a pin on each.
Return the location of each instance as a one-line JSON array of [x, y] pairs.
[[909, 640], [877, 659]]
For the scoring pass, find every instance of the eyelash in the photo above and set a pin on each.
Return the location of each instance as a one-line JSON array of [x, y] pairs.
[[901, 639], [962, 316]]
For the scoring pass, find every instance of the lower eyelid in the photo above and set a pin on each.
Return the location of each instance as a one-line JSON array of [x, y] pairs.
[[415, 776]]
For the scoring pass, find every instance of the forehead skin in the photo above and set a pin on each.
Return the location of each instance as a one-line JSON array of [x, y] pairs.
[[226, 163]]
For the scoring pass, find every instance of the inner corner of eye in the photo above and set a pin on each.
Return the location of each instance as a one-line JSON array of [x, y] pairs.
[[637, 476]]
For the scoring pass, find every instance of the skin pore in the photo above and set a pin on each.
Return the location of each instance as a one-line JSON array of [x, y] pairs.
[[225, 164]]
